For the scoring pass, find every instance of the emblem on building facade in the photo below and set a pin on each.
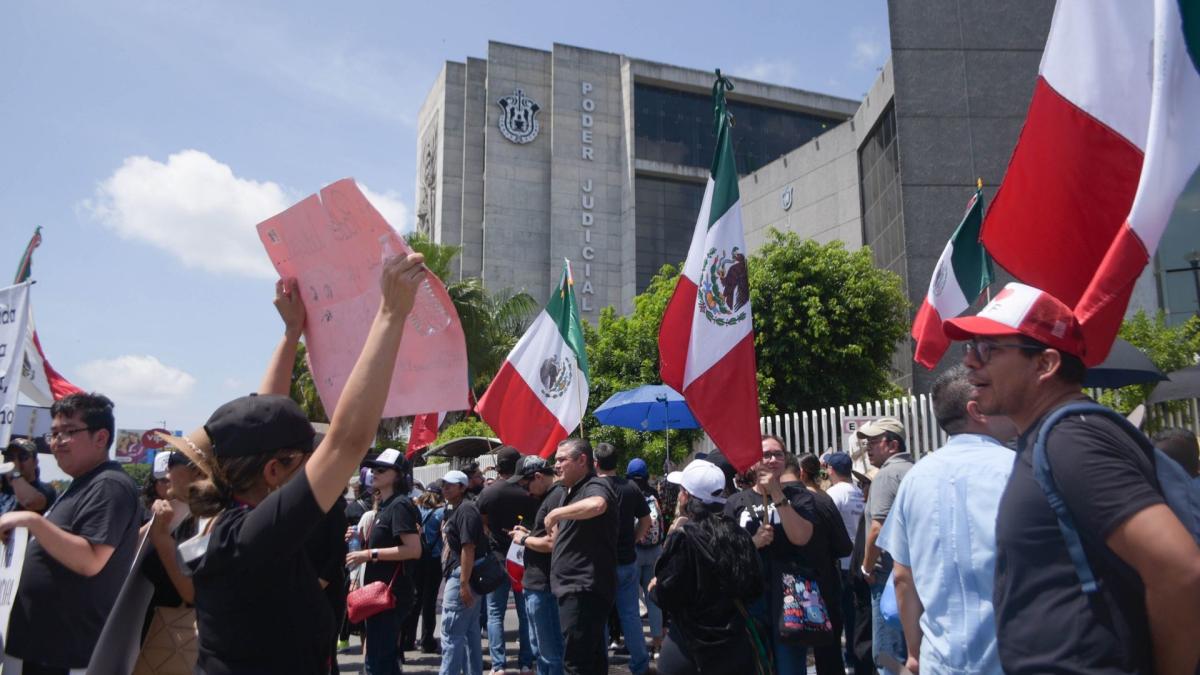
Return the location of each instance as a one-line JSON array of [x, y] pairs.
[[555, 375], [785, 198], [517, 117], [724, 287]]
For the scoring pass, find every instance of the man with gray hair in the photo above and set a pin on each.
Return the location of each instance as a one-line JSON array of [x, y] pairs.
[[941, 534]]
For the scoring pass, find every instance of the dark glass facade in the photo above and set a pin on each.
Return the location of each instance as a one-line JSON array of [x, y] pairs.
[[677, 127], [666, 217], [879, 187]]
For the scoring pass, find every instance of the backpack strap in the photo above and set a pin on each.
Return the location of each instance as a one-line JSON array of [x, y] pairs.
[[1045, 478]]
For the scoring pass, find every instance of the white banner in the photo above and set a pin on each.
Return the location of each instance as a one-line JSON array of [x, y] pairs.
[[14, 322], [12, 559]]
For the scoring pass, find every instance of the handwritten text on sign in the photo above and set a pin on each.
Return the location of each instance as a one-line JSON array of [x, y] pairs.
[[14, 321], [333, 243]]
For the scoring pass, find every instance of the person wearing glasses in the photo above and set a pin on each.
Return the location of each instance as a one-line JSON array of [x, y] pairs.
[[887, 452], [23, 484], [80, 552]]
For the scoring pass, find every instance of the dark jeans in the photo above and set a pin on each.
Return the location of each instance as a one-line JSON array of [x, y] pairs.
[[382, 630], [427, 581], [583, 616]]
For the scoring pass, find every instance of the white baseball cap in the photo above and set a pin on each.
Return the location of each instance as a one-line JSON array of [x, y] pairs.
[[455, 477], [161, 464], [702, 479]]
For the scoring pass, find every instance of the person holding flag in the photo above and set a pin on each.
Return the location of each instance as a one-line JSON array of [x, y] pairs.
[[706, 341], [541, 392], [545, 630]]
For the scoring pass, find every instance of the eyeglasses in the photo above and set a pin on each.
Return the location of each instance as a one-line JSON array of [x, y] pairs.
[[64, 435], [774, 454], [16, 457], [984, 350]]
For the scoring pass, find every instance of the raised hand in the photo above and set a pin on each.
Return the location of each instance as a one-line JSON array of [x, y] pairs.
[[399, 282], [290, 305]]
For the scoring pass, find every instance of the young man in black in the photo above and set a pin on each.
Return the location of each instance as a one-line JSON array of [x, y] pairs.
[[583, 567], [545, 629], [1025, 355], [502, 505], [80, 554], [24, 484]]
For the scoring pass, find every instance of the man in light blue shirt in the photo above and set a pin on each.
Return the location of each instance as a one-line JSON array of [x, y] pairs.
[[941, 534]]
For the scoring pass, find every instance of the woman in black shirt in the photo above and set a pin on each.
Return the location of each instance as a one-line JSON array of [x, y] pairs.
[[394, 538], [259, 605]]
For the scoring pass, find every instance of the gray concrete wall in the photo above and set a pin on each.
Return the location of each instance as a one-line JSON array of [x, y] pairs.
[[474, 120], [448, 225]]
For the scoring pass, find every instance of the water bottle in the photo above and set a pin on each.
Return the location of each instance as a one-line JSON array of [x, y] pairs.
[[355, 543], [428, 317]]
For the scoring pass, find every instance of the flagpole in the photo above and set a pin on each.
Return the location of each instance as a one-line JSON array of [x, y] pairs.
[[987, 290]]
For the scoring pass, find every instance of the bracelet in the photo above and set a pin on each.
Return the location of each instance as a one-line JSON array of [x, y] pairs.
[[523, 540], [864, 570], [374, 554]]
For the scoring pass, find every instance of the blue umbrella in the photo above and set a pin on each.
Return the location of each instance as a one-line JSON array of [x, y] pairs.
[[650, 407]]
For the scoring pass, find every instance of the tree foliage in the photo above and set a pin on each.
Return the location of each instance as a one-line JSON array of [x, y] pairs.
[[138, 472], [1170, 348], [826, 322]]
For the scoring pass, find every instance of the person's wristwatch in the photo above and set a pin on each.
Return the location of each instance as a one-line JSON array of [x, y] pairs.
[[865, 571], [374, 554]]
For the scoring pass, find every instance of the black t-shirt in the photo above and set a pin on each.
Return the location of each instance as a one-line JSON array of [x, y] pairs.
[[537, 564], [57, 615], [326, 548], [585, 552], [829, 542], [1105, 478], [502, 503], [259, 607], [463, 525], [165, 593], [395, 517], [746, 508], [632, 506], [356, 509]]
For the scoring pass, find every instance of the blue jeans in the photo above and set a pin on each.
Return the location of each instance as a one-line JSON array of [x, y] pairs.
[[647, 557], [885, 639], [383, 630], [462, 649], [545, 631], [789, 658], [631, 619], [497, 605]]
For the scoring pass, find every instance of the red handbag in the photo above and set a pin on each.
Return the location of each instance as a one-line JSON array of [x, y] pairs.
[[375, 597]]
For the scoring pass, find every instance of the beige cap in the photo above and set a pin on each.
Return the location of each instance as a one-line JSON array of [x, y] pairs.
[[876, 428]]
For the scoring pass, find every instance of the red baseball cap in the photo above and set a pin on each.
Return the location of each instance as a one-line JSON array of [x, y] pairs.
[[1023, 310]]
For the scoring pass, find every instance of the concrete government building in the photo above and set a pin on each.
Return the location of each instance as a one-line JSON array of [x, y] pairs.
[[531, 156]]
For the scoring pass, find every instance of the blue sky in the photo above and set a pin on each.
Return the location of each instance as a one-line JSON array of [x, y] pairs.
[[148, 138]]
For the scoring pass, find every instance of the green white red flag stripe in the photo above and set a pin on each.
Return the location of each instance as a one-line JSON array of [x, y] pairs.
[[539, 396], [40, 382], [706, 341], [1109, 143], [962, 273]]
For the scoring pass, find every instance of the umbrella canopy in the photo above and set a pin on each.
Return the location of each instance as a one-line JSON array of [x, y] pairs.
[[466, 446], [1125, 365], [1181, 384], [650, 407]]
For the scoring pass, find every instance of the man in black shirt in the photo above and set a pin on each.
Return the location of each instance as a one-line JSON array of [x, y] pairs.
[[583, 567], [503, 505], [632, 524], [80, 553], [1025, 354], [545, 630], [463, 532], [24, 483]]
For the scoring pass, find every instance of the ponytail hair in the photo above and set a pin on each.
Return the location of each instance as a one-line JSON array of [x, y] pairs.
[[226, 477]]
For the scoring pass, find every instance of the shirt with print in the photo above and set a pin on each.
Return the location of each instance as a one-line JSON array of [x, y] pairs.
[[259, 606], [395, 517], [1044, 621], [632, 507], [781, 555], [57, 614], [537, 564], [943, 526], [850, 505], [585, 551], [463, 525], [503, 504]]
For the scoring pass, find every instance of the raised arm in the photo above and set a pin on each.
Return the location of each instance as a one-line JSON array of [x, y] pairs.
[[354, 422], [290, 305]]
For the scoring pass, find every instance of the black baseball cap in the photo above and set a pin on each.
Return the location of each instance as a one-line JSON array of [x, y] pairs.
[[258, 424], [390, 458], [25, 445], [529, 465], [506, 459]]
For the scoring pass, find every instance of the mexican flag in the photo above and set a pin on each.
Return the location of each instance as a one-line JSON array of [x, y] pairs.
[[40, 382], [541, 391], [706, 341], [1109, 143], [514, 564], [961, 274]]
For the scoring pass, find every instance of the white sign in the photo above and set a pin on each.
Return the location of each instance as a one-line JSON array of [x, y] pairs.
[[12, 559], [14, 322]]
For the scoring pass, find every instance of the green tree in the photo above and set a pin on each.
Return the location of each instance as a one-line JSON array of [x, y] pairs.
[[1170, 348], [826, 322], [304, 390], [138, 472]]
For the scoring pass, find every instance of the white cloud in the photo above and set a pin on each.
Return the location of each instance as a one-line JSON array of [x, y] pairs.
[[868, 49], [771, 72], [196, 209], [137, 379]]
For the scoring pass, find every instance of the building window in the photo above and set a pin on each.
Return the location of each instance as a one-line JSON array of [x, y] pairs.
[[676, 127], [879, 188], [666, 217]]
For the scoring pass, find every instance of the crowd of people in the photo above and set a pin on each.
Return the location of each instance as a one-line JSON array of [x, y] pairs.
[[1042, 537]]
